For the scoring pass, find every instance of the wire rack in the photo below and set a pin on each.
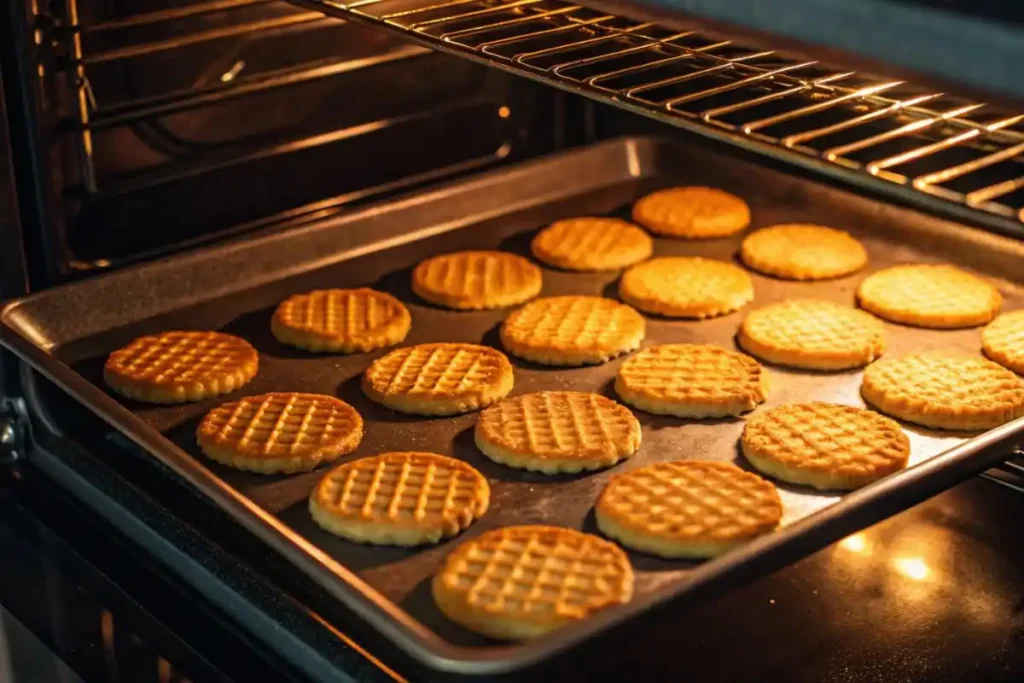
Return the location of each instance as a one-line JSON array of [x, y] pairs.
[[1009, 473], [931, 148]]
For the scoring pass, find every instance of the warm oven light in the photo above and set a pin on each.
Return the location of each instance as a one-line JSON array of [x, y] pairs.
[[912, 567]]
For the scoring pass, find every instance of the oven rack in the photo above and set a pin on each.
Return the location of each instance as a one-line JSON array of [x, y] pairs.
[[1010, 473], [937, 151]]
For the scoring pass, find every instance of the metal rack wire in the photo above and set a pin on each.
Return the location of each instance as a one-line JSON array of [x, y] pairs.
[[927, 147], [1009, 474]]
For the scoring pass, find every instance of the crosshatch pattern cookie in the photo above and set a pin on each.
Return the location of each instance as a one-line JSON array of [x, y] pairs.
[[439, 379], [1002, 340], [280, 432], [341, 320], [476, 279], [691, 508], [691, 380], [692, 213], [825, 445], [803, 252], [945, 390], [572, 330], [175, 367], [682, 287], [939, 296], [527, 581], [592, 244], [808, 333], [400, 499], [557, 431]]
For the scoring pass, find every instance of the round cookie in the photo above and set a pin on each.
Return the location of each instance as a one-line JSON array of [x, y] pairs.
[[592, 244], [557, 431], [1002, 340], [176, 367], [937, 296], [402, 499], [683, 287], [572, 330], [280, 432], [825, 445], [944, 390], [687, 509], [691, 380], [692, 213], [341, 320], [472, 280], [814, 334], [803, 252], [439, 379], [526, 581]]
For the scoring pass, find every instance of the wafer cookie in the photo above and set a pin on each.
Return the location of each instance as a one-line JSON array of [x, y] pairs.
[[692, 213], [938, 296], [341, 320], [803, 252], [1002, 340], [592, 244], [476, 279], [682, 287]]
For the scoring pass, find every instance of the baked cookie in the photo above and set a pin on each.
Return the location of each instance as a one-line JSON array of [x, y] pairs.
[[557, 431], [527, 581], [341, 320], [181, 366], [688, 509], [592, 244], [471, 280], [938, 296], [682, 287], [439, 379], [803, 252], [572, 330], [1002, 340], [692, 213]]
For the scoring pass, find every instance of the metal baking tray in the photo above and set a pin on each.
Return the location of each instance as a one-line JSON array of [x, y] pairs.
[[66, 333]]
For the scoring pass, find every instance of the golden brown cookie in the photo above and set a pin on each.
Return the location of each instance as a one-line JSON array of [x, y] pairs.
[[572, 330], [557, 431], [592, 244], [682, 287], [692, 213], [803, 252], [439, 379], [815, 334], [825, 445], [938, 296], [691, 380], [341, 320], [476, 279], [527, 581], [688, 508], [280, 432], [175, 367], [1002, 340], [399, 499], [945, 390]]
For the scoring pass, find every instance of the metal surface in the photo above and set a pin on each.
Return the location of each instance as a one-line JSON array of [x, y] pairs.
[[926, 147], [67, 332]]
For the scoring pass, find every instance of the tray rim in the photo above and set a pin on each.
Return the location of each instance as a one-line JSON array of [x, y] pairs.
[[852, 512]]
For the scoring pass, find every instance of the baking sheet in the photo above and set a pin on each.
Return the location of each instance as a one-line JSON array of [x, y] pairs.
[[369, 254]]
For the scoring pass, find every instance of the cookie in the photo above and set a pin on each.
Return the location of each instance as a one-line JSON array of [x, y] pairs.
[[526, 581], [687, 509], [280, 432], [592, 244], [572, 330], [803, 252], [439, 379], [557, 431], [814, 334], [682, 287], [692, 213], [470, 280], [402, 499], [176, 367], [341, 320], [825, 445], [944, 390], [937, 296], [691, 380], [1002, 340]]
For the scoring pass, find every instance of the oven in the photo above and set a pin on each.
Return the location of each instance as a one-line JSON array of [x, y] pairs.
[[190, 163]]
